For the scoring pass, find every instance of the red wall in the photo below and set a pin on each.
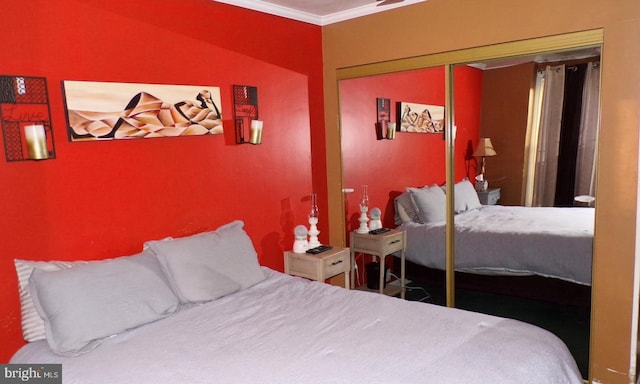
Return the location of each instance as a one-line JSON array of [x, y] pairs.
[[103, 199], [387, 167]]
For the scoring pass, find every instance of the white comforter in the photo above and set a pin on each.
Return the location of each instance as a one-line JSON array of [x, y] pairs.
[[290, 330], [551, 242]]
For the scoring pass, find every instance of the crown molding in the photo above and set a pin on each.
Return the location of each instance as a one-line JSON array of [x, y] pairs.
[[278, 10]]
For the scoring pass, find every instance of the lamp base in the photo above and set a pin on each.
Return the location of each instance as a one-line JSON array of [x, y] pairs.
[[482, 185]]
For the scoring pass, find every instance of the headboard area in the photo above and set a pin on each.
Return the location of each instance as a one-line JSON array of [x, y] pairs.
[[76, 305]]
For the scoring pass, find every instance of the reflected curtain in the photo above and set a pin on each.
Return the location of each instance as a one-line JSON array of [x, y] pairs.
[[587, 145], [548, 139]]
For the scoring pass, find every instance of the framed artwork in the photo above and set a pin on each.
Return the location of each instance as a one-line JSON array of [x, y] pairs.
[[420, 118], [107, 111]]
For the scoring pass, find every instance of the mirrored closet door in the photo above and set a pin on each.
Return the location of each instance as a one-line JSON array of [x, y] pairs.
[[491, 96]]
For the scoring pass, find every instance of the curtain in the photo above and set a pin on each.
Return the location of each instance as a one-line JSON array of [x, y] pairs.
[[587, 144], [570, 134], [531, 143], [546, 164]]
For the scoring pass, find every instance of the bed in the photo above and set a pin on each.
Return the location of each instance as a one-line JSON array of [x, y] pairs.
[[263, 326], [494, 239]]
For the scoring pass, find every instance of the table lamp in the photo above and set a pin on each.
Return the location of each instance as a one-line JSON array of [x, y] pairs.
[[484, 149]]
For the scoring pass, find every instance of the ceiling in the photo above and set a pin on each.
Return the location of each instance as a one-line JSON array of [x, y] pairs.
[[320, 12]]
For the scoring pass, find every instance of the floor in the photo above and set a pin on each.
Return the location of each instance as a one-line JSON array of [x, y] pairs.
[[569, 322]]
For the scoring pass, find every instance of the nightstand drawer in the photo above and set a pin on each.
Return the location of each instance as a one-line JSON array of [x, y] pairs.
[[337, 264], [378, 244], [319, 266]]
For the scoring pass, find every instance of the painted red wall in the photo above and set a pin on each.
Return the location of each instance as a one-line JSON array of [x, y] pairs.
[[104, 199], [387, 167]]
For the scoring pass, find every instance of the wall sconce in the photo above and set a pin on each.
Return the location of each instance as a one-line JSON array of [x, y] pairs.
[[484, 149], [36, 141], [25, 118], [383, 108], [385, 130], [391, 131], [245, 110], [255, 136]]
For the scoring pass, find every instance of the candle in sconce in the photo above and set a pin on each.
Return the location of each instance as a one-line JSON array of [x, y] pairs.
[[36, 142], [391, 130], [256, 132]]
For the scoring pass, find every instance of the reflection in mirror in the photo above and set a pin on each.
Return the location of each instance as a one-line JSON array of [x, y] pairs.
[[542, 121], [494, 100], [416, 102]]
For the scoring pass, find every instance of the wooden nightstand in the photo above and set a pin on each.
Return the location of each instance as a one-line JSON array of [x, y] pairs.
[[489, 197], [321, 266], [381, 245]]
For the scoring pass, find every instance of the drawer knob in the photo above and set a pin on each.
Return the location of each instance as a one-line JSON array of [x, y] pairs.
[[336, 262], [394, 241]]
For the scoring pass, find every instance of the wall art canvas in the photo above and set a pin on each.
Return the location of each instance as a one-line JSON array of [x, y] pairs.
[[421, 118], [24, 102], [107, 111]]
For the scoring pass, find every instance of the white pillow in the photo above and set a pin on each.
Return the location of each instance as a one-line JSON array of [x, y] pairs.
[[84, 305], [32, 323], [209, 265], [430, 203], [466, 197]]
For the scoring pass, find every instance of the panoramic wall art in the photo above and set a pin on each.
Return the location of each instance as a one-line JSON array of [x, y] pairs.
[[107, 111], [420, 118]]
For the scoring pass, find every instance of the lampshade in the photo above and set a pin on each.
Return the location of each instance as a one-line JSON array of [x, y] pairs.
[[484, 148]]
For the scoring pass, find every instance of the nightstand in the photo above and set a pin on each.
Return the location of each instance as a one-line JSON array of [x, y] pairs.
[[381, 246], [321, 266], [489, 197]]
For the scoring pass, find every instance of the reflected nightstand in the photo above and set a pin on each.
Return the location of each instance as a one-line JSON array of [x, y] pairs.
[[489, 197], [381, 245]]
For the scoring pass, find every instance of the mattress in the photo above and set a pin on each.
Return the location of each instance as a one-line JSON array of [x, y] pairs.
[[494, 239], [290, 330]]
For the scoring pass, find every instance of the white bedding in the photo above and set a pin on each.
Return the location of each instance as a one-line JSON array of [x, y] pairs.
[[551, 242], [290, 330]]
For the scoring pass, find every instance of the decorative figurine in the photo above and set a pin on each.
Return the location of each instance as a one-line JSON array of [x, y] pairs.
[[300, 244], [313, 222], [364, 228], [375, 222]]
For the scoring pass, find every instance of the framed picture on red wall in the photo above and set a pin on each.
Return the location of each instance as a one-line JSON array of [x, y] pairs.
[[420, 118], [110, 110]]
